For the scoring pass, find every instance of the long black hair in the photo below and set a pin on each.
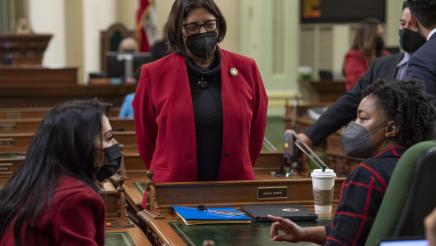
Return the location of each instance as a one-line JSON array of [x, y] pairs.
[[64, 144], [406, 103]]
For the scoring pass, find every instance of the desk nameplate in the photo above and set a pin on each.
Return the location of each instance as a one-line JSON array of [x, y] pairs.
[[272, 192]]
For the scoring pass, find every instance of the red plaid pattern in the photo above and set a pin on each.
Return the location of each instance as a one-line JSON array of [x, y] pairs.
[[361, 195]]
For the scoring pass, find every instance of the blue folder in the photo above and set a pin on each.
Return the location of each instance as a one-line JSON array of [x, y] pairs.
[[195, 215]]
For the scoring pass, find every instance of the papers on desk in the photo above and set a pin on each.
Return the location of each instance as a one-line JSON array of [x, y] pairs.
[[198, 216]]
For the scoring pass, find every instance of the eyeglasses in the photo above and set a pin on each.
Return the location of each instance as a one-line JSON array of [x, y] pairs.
[[193, 28]]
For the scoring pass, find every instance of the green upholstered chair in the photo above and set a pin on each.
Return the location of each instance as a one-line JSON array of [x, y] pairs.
[[410, 195]]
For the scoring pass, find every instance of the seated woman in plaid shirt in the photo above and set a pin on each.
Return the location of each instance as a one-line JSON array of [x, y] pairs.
[[390, 118]]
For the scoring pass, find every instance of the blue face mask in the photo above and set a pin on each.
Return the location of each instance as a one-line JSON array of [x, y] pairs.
[[356, 140]]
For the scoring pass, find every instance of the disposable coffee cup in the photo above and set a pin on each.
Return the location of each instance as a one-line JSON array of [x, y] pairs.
[[323, 183]]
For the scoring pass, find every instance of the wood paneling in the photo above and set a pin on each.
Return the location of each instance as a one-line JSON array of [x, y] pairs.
[[50, 95]]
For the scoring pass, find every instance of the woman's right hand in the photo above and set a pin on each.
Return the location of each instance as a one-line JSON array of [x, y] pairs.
[[291, 231]]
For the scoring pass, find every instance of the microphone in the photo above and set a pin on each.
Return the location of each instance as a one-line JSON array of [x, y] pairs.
[[307, 150]]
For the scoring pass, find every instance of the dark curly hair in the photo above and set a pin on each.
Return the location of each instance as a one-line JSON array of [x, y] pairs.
[[406, 103]]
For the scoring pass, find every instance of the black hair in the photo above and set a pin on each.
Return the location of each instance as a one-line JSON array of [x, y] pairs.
[[64, 144], [180, 10], [405, 5], [407, 104], [424, 11]]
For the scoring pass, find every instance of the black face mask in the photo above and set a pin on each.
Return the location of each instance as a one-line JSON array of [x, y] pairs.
[[379, 45], [410, 41], [112, 162], [202, 45]]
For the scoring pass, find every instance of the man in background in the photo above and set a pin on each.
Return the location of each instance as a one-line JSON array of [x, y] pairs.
[[392, 67], [422, 65]]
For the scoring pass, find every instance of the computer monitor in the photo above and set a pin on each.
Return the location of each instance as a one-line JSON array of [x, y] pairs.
[[116, 64]]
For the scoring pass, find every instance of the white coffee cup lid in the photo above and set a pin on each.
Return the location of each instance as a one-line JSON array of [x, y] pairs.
[[327, 173]]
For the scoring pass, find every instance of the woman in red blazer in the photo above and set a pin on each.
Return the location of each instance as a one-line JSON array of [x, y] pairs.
[[367, 45], [52, 200], [199, 112]]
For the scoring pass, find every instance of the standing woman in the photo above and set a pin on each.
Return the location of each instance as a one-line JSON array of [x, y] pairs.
[[368, 44], [200, 112], [52, 200]]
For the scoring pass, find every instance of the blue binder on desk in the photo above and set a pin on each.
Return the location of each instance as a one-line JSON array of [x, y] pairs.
[[197, 216]]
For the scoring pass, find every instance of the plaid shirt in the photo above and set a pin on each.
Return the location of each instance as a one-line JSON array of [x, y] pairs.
[[360, 197]]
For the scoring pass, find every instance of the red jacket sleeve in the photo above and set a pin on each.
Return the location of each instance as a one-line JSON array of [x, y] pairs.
[[80, 220], [258, 124], [144, 118]]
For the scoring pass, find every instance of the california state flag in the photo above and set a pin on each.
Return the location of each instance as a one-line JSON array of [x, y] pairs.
[[146, 32]]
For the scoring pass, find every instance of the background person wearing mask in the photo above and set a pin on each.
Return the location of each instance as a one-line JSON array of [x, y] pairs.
[[200, 112], [422, 65], [53, 199], [368, 44], [391, 117], [392, 67]]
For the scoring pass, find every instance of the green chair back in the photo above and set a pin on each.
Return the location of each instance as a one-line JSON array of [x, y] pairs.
[[397, 193]]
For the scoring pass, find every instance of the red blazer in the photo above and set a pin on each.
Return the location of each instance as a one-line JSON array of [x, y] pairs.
[[165, 125], [355, 65], [75, 216]]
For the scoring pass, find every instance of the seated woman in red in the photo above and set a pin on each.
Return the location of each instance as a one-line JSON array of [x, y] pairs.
[[390, 118], [367, 45], [52, 200]]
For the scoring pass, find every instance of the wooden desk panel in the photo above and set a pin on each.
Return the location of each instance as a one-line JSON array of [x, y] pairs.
[[38, 75], [36, 112], [18, 125], [50, 95], [224, 193], [219, 193], [18, 142], [23, 48]]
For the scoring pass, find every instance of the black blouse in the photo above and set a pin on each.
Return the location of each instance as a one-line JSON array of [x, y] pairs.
[[205, 84]]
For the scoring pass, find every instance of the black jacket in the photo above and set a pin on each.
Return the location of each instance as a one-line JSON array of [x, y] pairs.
[[422, 65], [344, 109]]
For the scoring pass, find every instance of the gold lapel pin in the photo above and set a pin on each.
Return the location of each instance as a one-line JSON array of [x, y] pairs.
[[234, 72]]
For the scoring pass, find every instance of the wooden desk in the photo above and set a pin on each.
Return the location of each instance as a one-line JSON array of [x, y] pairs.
[[158, 216], [18, 142], [38, 75], [326, 91], [23, 48], [32, 124], [50, 95], [36, 112]]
